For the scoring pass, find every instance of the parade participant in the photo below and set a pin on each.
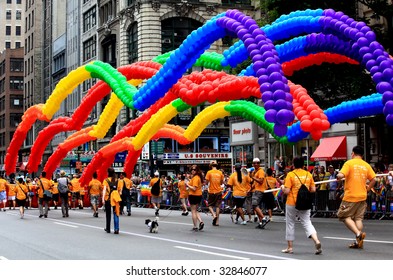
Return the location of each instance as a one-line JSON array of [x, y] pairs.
[[268, 198], [21, 196], [125, 186], [75, 191], [195, 196], [258, 187], [11, 192], [293, 181], [43, 201], [30, 193], [239, 181], [3, 191], [156, 192], [183, 196], [55, 192], [215, 178], [95, 188], [64, 185], [111, 199], [353, 205]]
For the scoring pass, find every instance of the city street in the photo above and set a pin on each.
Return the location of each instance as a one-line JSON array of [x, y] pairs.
[[81, 237]]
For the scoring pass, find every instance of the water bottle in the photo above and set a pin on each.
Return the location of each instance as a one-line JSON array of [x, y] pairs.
[[373, 206]]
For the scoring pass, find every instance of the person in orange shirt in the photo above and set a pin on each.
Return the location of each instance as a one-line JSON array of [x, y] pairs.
[[11, 192], [82, 192], [215, 178], [43, 184], [31, 190], [291, 187], [239, 181], [21, 196], [195, 196], [183, 194], [111, 199], [156, 199], [95, 189], [125, 191], [353, 205], [75, 191], [268, 198], [55, 192], [3, 191], [258, 186]]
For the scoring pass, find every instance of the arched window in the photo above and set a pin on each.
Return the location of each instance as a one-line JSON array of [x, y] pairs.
[[133, 43], [175, 30]]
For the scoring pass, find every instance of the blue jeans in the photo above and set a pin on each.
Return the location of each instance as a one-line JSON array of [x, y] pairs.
[[116, 219]]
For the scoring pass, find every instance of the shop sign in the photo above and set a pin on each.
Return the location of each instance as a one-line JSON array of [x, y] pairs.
[[242, 132], [204, 155]]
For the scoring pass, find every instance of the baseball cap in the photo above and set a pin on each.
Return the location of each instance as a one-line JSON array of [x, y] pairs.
[[256, 160], [156, 173]]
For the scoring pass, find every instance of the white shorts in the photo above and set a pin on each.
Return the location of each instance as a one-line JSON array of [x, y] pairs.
[[12, 198]]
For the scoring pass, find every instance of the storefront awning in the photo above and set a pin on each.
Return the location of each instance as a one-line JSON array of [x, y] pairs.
[[333, 148]]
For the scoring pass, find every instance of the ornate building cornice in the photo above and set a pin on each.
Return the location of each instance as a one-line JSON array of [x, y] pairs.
[[183, 8], [155, 5], [129, 12]]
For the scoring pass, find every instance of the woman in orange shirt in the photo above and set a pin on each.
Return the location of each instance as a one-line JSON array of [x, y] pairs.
[[195, 196], [183, 194], [21, 196]]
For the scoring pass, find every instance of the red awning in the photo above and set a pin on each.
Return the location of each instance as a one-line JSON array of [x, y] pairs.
[[333, 148]]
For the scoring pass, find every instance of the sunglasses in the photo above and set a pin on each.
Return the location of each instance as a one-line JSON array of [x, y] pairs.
[[193, 169]]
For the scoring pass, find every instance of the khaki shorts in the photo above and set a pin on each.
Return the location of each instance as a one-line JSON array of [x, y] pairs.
[[353, 210]]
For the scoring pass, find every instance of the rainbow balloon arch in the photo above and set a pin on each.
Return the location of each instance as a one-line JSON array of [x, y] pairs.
[[289, 113]]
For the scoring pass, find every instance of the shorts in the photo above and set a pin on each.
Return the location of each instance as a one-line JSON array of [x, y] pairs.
[[20, 202], [194, 199], [353, 210], [94, 199], [268, 200], [257, 198], [156, 199], [12, 197], [214, 199], [239, 201], [76, 195], [55, 197], [3, 195]]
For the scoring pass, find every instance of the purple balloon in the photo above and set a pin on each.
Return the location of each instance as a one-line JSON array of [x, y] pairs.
[[283, 116], [270, 60], [278, 85], [386, 64], [260, 38], [273, 68], [258, 65], [389, 106], [265, 49], [329, 12], [270, 115], [370, 35], [384, 86], [266, 95], [263, 78], [289, 106], [362, 42], [388, 95], [266, 55], [280, 130], [249, 23], [387, 73], [364, 50], [377, 77], [288, 96], [248, 42], [256, 55], [275, 77], [370, 63], [280, 104], [279, 95], [389, 119], [242, 33]]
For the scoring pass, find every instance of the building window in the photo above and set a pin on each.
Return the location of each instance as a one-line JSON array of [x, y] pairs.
[[8, 30], [89, 19], [8, 14], [18, 1], [18, 15], [7, 45], [2, 68], [16, 102], [2, 89], [85, 1], [9, 1], [175, 30], [207, 144], [89, 49], [17, 45], [15, 119], [16, 83], [32, 18], [133, 43], [17, 30], [16, 65]]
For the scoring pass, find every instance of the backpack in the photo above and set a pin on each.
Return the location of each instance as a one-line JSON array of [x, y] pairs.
[[61, 187], [155, 189], [125, 192], [304, 198]]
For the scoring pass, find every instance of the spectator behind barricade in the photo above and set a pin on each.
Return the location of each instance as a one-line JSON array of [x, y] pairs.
[[389, 187], [282, 165], [333, 186], [353, 206], [169, 190]]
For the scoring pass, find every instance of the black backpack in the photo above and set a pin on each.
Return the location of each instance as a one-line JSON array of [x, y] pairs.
[[155, 189], [304, 198]]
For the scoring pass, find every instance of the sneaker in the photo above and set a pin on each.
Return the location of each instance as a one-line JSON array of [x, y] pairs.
[[244, 223], [201, 225], [260, 225], [255, 219], [157, 213], [249, 221], [129, 214], [236, 222], [194, 229], [354, 245], [360, 239], [318, 248]]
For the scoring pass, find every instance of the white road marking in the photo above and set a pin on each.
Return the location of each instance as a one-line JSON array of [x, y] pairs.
[[366, 240], [211, 253], [67, 225], [2, 258]]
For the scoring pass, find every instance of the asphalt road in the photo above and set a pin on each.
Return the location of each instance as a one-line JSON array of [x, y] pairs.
[[81, 237]]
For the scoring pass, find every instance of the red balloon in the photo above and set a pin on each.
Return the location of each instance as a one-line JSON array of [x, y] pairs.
[[306, 125], [316, 123], [316, 135], [314, 114]]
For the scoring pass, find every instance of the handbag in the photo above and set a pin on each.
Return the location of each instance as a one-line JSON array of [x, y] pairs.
[[47, 194]]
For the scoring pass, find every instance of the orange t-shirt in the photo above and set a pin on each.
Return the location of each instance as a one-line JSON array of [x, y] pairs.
[[3, 185], [95, 187], [239, 189], [293, 183], [356, 172], [21, 191], [182, 189], [215, 178], [195, 182], [260, 174], [11, 189], [75, 185]]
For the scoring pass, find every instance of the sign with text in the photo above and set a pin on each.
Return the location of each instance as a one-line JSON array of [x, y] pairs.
[[242, 133]]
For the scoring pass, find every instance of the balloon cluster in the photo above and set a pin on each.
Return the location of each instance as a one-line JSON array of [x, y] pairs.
[[289, 114]]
